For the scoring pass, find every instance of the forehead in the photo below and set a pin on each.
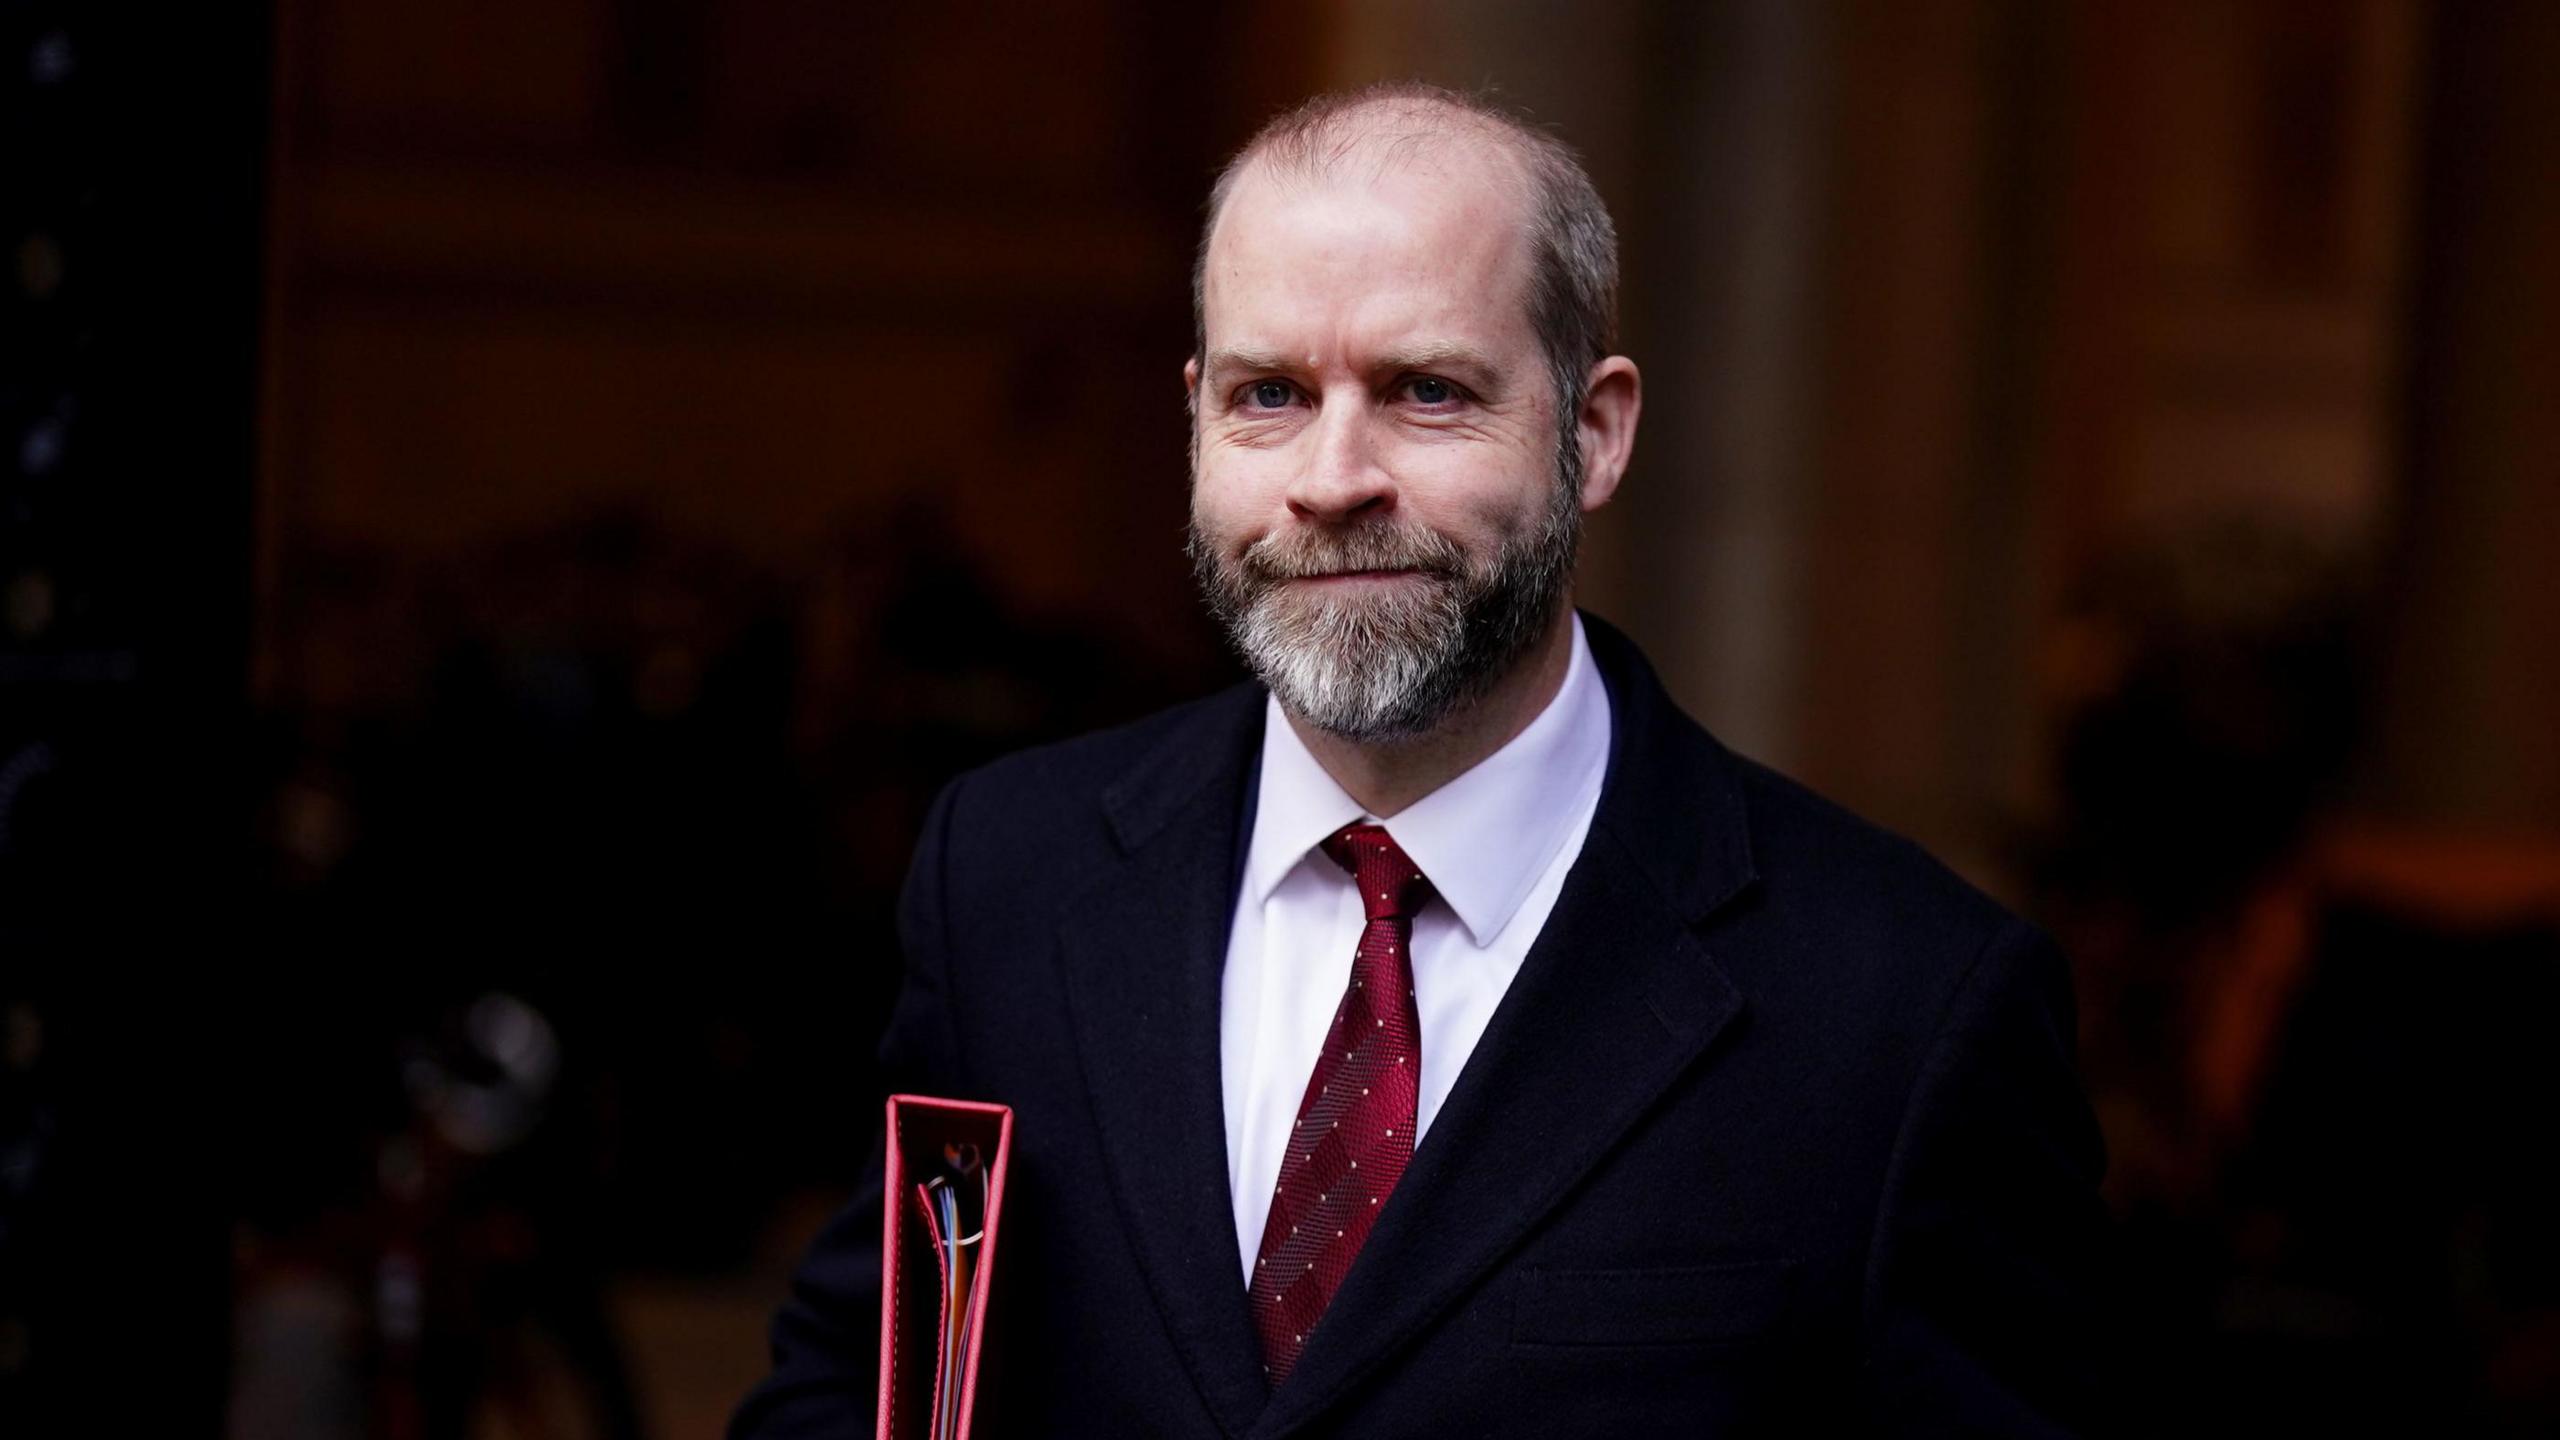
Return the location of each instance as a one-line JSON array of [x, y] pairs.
[[1371, 249]]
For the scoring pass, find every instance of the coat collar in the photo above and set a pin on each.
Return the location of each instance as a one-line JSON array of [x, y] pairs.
[[1673, 792], [1142, 953], [1570, 1061]]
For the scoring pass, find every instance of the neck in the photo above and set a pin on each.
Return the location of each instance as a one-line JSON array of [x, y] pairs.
[[1385, 776]]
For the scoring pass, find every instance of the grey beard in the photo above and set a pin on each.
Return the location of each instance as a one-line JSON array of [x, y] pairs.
[[1393, 665]]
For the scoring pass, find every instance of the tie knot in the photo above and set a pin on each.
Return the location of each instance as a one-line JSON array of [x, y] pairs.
[[1391, 887]]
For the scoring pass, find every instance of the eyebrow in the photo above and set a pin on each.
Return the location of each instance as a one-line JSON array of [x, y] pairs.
[[1439, 355], [1224, 362], [1430, 355]]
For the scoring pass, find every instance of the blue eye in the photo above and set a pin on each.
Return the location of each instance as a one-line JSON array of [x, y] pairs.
[[1269, 394], [1432, 391]]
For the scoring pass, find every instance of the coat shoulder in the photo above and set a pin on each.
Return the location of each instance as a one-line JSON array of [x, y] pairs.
[[1046, 804], [1862, 892]]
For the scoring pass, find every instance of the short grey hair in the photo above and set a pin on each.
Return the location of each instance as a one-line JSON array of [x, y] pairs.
[[1573, 273]]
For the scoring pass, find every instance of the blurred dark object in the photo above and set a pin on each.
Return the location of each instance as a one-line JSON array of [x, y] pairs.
[[2391, 1263], [460, 1280], [2313, 1041], [2219, 704], [2210, 686], [2358, 1240], [643, 836], [130, 204]]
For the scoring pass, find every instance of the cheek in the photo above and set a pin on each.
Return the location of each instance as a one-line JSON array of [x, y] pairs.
[[1216, 512], [1478, 495], [1231, 488]]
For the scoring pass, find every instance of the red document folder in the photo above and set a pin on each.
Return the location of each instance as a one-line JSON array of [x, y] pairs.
[[914, 1275]]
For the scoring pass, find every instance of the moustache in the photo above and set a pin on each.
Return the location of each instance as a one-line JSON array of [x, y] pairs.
[[1308, 554]]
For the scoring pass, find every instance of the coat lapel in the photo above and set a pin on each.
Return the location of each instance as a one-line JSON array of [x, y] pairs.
[[1615, 1001], [1142, 953]]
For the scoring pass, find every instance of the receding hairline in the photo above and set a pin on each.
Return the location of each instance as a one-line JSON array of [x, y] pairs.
[[1387, 128], [1572, 244]]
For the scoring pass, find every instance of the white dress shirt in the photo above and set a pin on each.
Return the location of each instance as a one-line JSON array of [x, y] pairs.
[[1495, 843]]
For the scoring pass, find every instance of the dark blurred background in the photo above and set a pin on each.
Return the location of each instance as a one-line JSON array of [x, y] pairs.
[[508, 511]]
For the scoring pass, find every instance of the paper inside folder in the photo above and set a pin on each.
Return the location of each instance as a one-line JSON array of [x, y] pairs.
[[944, 1187]]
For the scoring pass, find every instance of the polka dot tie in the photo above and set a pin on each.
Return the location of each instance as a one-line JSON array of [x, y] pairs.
[[1355, 1125]]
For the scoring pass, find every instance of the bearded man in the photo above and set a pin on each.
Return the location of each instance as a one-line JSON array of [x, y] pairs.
[[1445, 1035]]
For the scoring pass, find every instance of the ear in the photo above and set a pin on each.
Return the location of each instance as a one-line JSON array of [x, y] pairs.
[[1191, 381], [1612, 402]]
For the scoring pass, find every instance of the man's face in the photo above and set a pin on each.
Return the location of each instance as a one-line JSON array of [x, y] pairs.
[[1377, 509]]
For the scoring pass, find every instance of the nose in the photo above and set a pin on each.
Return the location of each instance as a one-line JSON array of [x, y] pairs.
[[1343, 477]]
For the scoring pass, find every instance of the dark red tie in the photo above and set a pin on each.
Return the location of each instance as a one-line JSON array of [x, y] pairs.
[[1355, 1124]]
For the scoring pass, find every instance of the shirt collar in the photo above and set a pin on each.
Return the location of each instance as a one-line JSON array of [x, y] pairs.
[[1484, 838]]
